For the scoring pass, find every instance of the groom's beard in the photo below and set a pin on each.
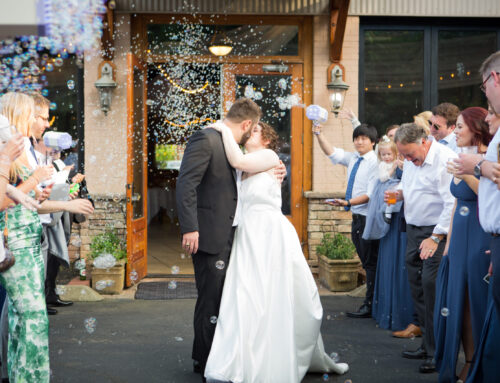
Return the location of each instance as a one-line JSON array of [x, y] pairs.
[[245, 137]]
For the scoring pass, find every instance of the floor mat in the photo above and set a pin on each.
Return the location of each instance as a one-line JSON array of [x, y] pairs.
[[166, 290]]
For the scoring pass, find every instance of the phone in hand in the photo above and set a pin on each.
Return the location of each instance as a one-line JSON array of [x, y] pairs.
[[331, 200], [498, 153]]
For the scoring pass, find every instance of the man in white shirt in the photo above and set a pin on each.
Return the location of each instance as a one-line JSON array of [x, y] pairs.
[[425, 188], [362, 167], [442, 124]]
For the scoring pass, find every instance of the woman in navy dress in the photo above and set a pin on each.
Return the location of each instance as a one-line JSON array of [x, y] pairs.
[[460, 310]]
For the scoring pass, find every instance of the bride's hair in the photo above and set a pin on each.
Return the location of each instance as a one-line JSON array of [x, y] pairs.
[[269, 134]]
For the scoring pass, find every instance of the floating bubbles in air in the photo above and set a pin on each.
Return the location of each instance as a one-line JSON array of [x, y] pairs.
[[45, 92], [80, 264], [104, 261], [58, 62], [134, 276], [60, 290], [49, 67], [220, 264], [70, 84], [178, 339], [175, 269], [172, 285], [282, 84], [325, 377], [258, 96], [445, 312], [213, 319], [249, 92], [75, 241], [464, 211], [53, 106], [101, 285], [92, 159], [335, 357], [90, 324]]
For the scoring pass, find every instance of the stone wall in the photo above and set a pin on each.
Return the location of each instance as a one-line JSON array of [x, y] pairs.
[[323, 218], [110, 213]]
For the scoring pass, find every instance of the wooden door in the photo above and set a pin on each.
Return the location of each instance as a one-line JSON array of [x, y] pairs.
[[136, 192], [274, 88]]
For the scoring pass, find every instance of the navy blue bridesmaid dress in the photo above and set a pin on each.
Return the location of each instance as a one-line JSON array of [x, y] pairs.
[[468, 264]]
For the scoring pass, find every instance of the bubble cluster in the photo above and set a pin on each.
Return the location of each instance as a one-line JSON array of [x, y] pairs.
[[104, 261], [104, 283]]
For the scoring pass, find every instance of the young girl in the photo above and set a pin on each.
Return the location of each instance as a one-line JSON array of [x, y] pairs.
[[387, 155]]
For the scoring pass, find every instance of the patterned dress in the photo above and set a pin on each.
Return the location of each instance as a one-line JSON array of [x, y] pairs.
[[28, 351]]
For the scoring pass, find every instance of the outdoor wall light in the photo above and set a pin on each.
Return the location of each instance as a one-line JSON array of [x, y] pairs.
[[336, 89], [220, 45], [105, 85]]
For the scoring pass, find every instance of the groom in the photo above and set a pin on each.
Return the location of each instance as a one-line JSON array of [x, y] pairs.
[[207, 196]]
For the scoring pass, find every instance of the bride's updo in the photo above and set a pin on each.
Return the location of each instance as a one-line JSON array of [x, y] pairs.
[[269, 134]]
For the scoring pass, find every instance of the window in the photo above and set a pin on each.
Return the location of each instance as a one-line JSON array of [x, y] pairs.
[[411, 66]]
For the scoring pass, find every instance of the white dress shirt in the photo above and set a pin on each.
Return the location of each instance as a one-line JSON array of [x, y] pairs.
[[237, 213], [489, 195], [426, 190], [44, 218], [450, 141], [368, 169]]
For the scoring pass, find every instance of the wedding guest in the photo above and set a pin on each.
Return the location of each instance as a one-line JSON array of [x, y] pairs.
[[422, 119], [442, 124], [392, 303], [460, 317], [361, 169], [391, 131], [425, 188]]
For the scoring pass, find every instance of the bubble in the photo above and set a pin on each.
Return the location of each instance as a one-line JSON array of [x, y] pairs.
[[45, 92], [258, 95], [60, 290], [445, 312], [49, 67], [35, 71], [249, 92], [53, 106], [183, 256], [325, 377], [172, 285], [220, 264], [175, 269], [150, 102], [80, 264], [282, 84], [25, 71], [328, 317], [76, 241], [59, 352], [335, 357], [92, 159], [464, 211], [104, 261], [90, 324], [178, 339], [213, 319], [134, 276], [71, 84], [83, 292], [101, 285], [58, 62]]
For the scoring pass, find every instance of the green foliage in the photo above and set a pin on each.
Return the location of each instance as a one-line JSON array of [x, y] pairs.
[[336, 247], [108, 242]]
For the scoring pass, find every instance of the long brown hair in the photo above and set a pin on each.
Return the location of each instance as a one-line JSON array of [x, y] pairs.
[[474, 119], [270, 135]]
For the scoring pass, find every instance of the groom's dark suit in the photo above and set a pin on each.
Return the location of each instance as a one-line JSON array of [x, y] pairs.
[[206, 202]]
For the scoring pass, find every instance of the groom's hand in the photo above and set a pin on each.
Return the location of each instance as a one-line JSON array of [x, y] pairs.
[[280, 172], [190, 242]]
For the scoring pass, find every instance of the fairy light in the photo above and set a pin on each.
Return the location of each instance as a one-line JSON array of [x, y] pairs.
[[177, 86], [197, 121]]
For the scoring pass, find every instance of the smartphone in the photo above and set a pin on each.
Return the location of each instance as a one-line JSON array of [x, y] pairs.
[[498, 153], [330, 200]]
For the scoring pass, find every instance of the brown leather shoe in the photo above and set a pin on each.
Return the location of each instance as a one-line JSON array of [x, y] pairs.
[[411, 331]]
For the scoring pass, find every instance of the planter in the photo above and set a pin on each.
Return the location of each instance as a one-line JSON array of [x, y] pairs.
[[109, 281], [338, 274]]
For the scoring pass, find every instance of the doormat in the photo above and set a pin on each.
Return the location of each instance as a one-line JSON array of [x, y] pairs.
[[166, 290]]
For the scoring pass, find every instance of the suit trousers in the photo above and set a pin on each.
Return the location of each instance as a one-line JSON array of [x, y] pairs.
[[210, 273], [422, 276], [495, 278], [368, 253]]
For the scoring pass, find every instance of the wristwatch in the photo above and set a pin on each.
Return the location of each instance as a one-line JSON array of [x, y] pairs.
[[435, 239], [477, 169]]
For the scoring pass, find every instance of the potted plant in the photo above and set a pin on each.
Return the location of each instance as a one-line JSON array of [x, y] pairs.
[[338, 264], [103, 248]]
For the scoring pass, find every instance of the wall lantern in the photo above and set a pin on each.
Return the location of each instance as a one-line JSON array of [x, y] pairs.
[[105, 85], [336, 89], [220, 45]]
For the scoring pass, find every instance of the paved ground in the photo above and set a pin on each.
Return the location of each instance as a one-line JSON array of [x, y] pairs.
[[150, 341]]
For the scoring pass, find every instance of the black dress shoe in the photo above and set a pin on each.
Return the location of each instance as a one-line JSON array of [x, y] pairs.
[[364, 311], [419, 353], [196, 367], [428, 366], [59, 302], [51, 311]]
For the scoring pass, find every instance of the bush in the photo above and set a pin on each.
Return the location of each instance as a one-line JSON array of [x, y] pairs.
[[338, 247], [108, 242]]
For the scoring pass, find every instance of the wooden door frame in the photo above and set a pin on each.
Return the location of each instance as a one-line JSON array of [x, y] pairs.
[[134, 225], [139, 24]]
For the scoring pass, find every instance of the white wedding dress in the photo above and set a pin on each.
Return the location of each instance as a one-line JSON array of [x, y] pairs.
[[268, 329]]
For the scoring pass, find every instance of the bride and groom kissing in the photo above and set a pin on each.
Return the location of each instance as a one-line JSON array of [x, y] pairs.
[[258, 314]]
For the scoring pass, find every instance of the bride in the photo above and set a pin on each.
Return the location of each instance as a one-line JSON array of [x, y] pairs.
[[268, 329]]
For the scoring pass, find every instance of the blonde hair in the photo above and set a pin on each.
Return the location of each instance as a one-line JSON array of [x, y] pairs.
[[40, 102], [386, 142], [19, 109], [422, 119]]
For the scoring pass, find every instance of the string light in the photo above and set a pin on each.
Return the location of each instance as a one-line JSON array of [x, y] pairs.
[[198, 121], [175, 85]]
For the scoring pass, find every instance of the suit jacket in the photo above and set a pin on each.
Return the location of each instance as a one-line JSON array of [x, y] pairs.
[[206, 191]]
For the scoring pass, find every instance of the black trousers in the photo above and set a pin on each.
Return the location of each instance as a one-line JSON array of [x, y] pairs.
[[368, 253], [52, 270], [210, 277], [495, 278], [422, 276]]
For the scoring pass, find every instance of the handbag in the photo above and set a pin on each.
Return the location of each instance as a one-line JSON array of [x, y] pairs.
[[8, 259]]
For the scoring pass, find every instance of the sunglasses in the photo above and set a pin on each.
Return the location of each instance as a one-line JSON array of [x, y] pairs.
[[483, 85], [431, 125]]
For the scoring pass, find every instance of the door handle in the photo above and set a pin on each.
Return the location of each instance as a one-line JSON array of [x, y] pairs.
[[136, 197]]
